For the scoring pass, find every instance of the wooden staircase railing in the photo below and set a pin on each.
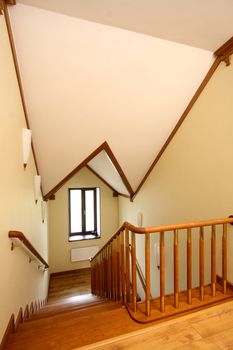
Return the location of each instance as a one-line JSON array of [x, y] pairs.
[[114, 268]]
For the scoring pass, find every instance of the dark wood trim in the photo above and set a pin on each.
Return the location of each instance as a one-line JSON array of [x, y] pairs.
[[224, 51], [180, 121], [119, 169], [18, 320], [17, 70], [69, 272], [9, 330], [26, 313], [13, 324], [74, 171], [1, 7], [103, 147], [31, 309], [97, 175], [28, 245], [115, 193], [11, 2]]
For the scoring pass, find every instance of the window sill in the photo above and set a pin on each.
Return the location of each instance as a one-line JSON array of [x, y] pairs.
[[82, 238]]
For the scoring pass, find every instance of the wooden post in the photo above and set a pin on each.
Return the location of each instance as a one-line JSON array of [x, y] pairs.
[[133, 264], [101, 273], [97, 276], [201, 263], [114, 269], [92, 272], [213, 260], [127, 266], [147, 273], [176, 270], [109, 271], [189, 266], [118, 267], [122, 267], [92, 277], [224, 259], [162, 273], [105, 272]]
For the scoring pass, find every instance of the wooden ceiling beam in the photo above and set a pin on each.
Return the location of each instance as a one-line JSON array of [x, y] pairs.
[[225, 51], [4, 2], [11, 2], [1, 7]]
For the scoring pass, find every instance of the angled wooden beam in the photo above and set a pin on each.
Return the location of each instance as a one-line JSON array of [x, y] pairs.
[[225, 51], [1, 7], [11, 2], [119, 169], [3, 2], [103, 147]]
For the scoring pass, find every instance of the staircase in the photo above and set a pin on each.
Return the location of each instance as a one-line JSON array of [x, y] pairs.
[[202, 246], [69, 321]]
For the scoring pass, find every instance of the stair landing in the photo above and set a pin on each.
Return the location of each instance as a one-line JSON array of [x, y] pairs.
[[184, 307]]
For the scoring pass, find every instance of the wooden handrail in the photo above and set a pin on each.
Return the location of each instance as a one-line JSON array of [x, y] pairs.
[[20, 236], [173, 227]]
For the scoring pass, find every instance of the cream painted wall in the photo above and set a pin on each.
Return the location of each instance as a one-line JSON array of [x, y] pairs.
[[194, 178], [20, 282], [58, 209]]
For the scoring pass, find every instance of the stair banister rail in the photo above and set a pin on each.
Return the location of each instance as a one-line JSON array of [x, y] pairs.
[[114, 267], [19, 240]]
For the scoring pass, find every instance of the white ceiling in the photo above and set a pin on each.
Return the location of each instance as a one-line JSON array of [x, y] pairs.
[[105, 168], [206, 24], [86, 83]]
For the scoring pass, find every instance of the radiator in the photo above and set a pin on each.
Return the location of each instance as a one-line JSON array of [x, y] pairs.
[[80, 254]]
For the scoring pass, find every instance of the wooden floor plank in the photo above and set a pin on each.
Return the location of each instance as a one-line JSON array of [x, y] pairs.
[[182, 333], [224, 339], [107, 325]]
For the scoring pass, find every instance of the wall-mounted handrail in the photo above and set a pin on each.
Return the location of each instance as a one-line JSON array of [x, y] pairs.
[[116, 263], [18, 239]]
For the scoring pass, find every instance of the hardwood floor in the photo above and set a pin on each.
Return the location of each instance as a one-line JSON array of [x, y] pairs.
[[211, 328], [76, 319], [70, 319], [68, 284]]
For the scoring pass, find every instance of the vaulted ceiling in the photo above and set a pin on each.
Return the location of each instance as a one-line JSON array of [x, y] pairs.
[[113, 73]]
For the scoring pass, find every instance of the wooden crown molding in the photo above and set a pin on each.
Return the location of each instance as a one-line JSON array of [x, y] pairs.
[[103, 147], [3, 4], [14, 55], [225, 51], [2, 7]]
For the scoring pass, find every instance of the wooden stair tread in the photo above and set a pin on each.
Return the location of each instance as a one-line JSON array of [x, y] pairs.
[[75, 312], [70, 330], [65, 305]]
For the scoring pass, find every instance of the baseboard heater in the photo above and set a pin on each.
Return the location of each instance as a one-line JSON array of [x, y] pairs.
[[81, 254]]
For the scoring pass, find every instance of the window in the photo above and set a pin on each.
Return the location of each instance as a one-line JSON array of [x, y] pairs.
[[84, 213]]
